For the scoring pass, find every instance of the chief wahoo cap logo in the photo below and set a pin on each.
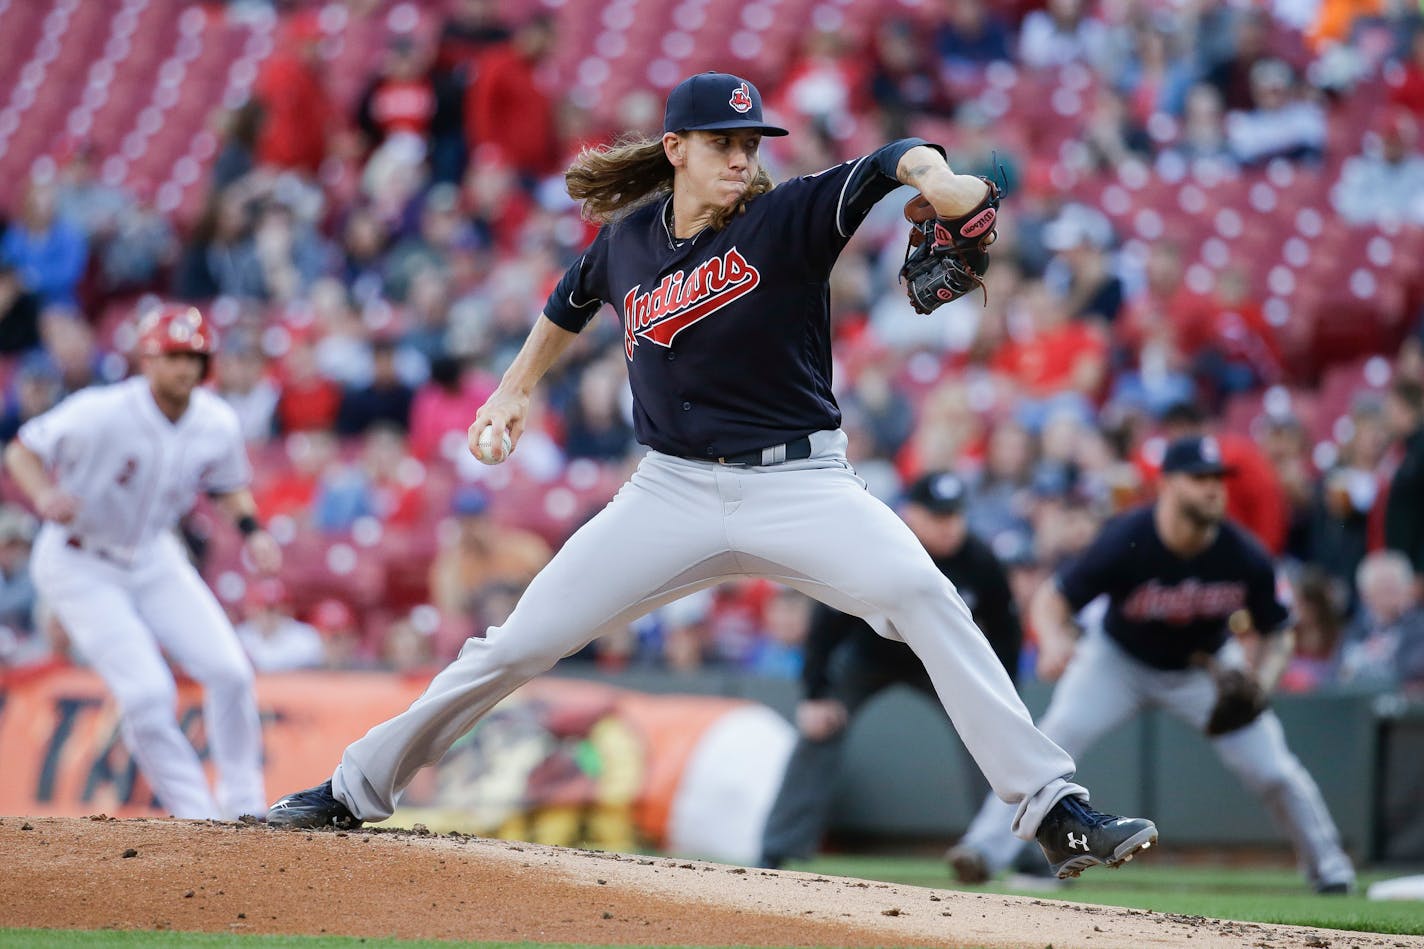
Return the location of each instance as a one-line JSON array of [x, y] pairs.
[[741, 98]]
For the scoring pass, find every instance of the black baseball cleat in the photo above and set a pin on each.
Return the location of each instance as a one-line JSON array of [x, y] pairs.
[[312, 808], [1075, 837]]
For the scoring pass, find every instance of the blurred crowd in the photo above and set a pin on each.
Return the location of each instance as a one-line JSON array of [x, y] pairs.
[[375, 268]]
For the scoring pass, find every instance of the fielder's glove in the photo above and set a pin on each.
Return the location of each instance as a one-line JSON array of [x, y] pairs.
[[948, 258], [1240, 700]]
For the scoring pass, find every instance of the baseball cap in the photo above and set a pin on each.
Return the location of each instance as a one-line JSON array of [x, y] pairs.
[[940, 492], [1195, 455], [715, 100]]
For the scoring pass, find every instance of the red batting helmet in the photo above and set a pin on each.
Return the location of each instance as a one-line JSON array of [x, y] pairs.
[[176, 328]]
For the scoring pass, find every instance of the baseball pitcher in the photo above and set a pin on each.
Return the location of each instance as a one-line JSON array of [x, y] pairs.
[[721, 283]]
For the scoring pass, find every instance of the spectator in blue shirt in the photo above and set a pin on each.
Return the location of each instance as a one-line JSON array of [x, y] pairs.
[[49, 252]]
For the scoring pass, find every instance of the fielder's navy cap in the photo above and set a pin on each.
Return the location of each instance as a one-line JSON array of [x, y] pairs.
[[715, 100], [940, 492], [1195, 455]]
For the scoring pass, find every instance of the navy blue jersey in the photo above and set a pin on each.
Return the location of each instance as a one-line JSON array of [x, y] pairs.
[[727, 333], [1163, 608]]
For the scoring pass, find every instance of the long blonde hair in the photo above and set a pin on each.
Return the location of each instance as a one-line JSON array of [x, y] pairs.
[[612, 181]]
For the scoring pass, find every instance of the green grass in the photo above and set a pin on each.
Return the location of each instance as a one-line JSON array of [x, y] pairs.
[[1257, 895]]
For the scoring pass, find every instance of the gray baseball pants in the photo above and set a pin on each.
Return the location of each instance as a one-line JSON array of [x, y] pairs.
[[681, 525], [1104, 687]]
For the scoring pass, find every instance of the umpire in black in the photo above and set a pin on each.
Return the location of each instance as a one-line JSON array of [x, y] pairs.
[[846, 664]]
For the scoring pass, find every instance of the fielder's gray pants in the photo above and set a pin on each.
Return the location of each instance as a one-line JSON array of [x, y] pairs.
[[681, 525], [1104, 687]]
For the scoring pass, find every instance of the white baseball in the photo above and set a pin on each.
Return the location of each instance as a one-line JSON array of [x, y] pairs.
[[485, 454]]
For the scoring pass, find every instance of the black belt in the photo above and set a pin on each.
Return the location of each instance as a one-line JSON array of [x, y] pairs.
[[794, 450]]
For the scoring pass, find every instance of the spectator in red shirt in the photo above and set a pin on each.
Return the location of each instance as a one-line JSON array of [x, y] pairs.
[[401, 97], [948, 432], [440, 412], [298, 113], [290, 491], [1160, 328], [309, 401], [1406, 84], [1240, 351], [1053, 363], [471, 28], [507, 106], [1166, 305]]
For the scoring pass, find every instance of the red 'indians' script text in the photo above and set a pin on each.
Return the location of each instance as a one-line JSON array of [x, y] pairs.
[[1184, 602], [683, 298]]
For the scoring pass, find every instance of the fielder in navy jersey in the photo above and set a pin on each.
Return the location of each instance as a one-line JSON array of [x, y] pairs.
[[1177, 578], [720, 281]]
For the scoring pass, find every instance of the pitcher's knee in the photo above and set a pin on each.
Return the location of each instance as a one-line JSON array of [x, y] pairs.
[[519, 656], [911, 590]]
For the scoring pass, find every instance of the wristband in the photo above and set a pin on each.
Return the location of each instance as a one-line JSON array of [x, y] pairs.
[[247, 525]]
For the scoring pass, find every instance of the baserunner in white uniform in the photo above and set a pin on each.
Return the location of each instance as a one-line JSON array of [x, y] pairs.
[[111, 470], [721, 282], [1175, 575]]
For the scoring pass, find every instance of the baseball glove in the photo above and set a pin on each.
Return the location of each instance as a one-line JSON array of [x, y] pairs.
[[1240, 700], [946, 259]]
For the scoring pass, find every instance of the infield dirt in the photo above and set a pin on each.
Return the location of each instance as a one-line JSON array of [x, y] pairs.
[[102, 873]]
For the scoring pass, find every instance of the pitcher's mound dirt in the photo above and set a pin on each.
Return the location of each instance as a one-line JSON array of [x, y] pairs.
[[101, 873]]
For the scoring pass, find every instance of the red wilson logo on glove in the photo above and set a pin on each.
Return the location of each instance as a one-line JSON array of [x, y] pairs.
[[980, 224]]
